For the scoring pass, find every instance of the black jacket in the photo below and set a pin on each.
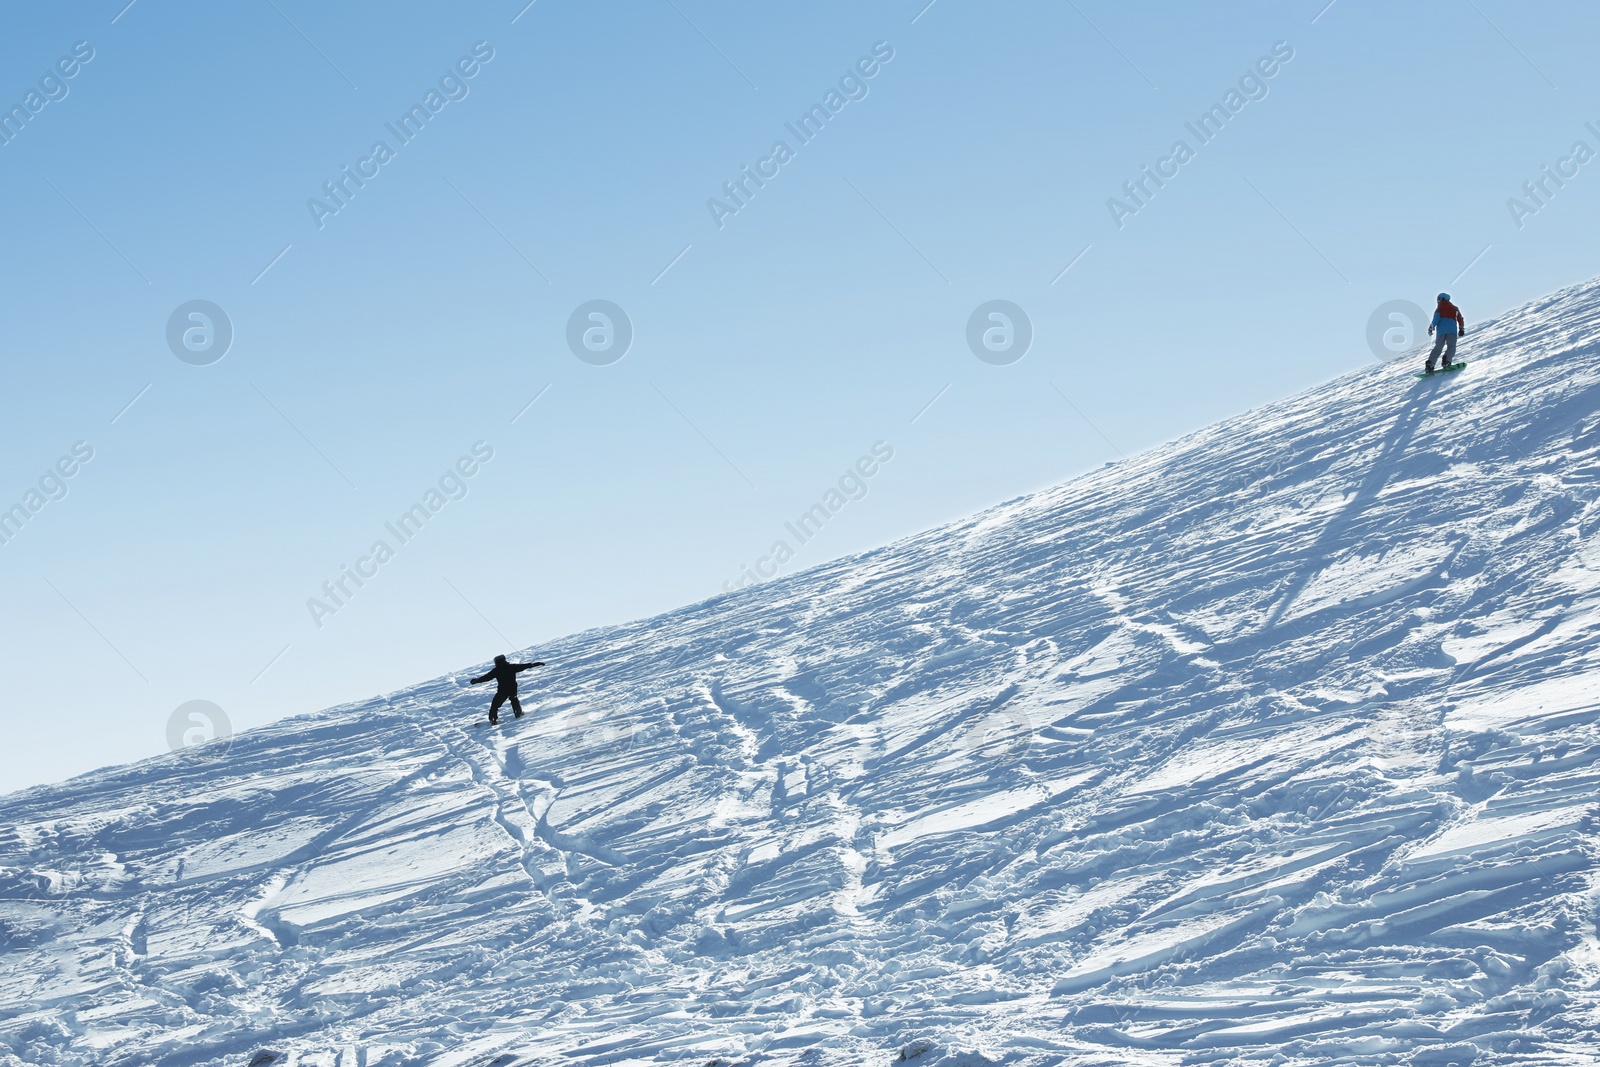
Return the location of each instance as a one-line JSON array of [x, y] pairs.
[[505, 675]]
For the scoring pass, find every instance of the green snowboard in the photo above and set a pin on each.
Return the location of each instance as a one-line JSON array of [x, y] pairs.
[[1451, 369]]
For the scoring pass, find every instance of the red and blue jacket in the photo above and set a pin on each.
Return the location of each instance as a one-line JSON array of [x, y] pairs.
[[1447, 319]]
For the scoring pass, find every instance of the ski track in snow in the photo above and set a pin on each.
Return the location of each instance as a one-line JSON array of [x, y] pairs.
[[1279, 740]]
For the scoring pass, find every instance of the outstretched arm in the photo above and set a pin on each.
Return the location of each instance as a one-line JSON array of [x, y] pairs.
[[481, 678], [524, 666]]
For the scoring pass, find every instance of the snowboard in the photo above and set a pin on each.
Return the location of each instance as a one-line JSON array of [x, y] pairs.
[[1451, 369], [504, 721]]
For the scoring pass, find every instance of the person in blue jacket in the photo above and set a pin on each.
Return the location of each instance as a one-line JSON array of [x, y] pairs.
[[1448, 322]]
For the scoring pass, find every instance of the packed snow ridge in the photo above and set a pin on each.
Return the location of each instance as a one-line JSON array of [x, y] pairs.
[[1277, 744]]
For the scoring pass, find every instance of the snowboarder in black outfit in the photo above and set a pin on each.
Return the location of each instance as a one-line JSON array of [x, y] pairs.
[[505, 678], [1450, 325]]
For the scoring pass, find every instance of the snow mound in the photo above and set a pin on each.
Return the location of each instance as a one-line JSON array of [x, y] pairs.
[[1277, 744]]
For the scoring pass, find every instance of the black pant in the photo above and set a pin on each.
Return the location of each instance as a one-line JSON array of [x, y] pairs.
[[500, 697]]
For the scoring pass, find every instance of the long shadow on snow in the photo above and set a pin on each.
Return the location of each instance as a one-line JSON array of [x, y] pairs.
[[1400, 435]]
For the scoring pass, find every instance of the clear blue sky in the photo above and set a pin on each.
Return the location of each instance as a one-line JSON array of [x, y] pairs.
[[768, 355]]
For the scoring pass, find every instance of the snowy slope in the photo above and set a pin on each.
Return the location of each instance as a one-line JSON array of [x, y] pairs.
[[1280, 739]]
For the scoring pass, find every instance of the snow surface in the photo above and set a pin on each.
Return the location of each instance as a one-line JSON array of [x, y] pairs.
[[1276, 744]]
